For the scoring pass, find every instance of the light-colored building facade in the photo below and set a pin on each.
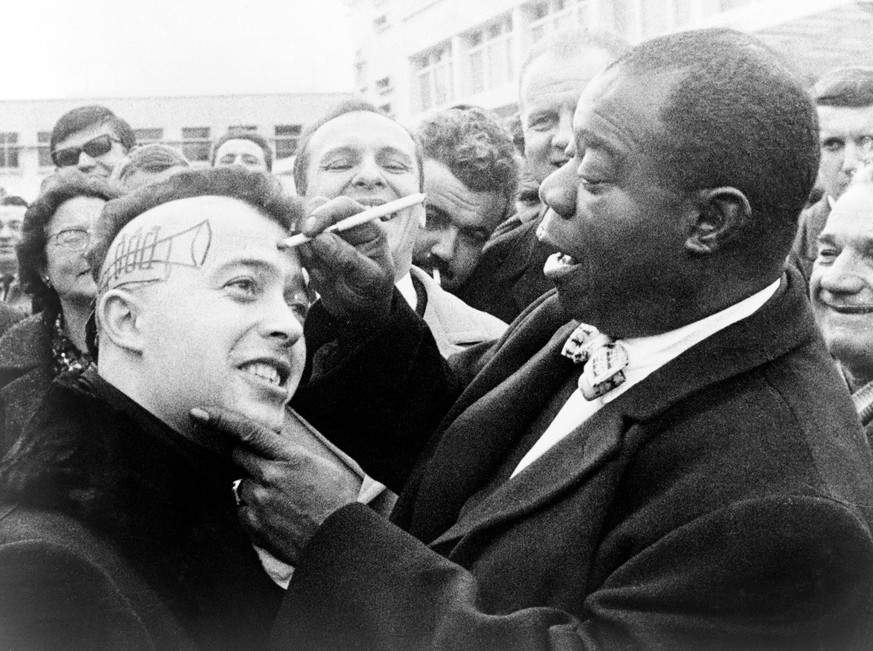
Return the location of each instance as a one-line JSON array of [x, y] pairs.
[[415, 56], [190, 124]]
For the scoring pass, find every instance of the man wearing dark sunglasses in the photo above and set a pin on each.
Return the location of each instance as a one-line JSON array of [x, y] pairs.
[[91, 138]]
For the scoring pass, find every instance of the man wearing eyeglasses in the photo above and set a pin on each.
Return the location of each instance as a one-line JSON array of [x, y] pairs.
[[91, 138]]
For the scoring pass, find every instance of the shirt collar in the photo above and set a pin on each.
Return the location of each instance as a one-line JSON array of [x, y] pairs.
[[647, 354], [407, 290]]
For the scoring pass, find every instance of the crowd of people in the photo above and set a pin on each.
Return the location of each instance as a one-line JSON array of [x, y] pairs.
[[606, 388]]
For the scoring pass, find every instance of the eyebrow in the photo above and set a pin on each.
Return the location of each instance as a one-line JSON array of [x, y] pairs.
[[259, 265]]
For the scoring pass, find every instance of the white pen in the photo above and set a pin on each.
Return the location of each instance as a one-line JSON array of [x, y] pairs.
[[361, 218]]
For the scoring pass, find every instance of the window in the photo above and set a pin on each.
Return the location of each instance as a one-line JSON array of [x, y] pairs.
[[43, 140], [554, 15], [361, 76], [433, 78], [196, 143], [489, 56], [148, 136], [383, 85], [286, 139], [242, 127], [9, 150]]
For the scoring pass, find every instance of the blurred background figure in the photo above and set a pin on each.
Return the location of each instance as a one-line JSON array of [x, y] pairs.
[[12, 210], [470, 178], [245, 148], [841, 285], [844, 103], [92, 139], [358, 152], [54, 272], [509, 276], [149, 164]]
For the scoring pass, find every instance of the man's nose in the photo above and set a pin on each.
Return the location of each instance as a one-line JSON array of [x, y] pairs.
[[846, 274], [444, 247], [852, 155], [280, 322], [558, 191], [564, 133], [86, 162], [369, 174]]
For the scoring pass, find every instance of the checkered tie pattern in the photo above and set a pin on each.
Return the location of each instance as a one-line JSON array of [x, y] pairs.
[[604, 359]]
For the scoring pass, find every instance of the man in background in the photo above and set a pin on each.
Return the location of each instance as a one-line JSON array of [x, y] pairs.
[[91, 138], [470, 178], [509, 276], [12, 209], [844, 103], [246, 148]]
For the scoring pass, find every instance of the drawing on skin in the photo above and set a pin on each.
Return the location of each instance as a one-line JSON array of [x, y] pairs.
[[145, 257]]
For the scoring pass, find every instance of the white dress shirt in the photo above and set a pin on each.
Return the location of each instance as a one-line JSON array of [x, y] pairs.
[[645, 356]]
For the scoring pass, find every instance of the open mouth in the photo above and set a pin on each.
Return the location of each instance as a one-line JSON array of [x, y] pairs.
[[369, 203], [272, 371], [852, 309]]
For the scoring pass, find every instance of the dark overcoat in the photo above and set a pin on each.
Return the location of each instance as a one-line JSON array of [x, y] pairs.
[[723, 502], [115, 532]]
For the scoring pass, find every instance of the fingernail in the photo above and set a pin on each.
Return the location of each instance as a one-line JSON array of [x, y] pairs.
[[199, 415], [310, 224]]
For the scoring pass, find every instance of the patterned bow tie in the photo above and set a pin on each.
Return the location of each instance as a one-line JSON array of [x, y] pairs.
[[604, 359]]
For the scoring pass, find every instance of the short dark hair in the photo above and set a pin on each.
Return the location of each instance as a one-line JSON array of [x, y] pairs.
[[150, 158], [67, 184], [253, 136], [570, 43], [476, 148], [258, 189], [850, 87], [13, 200], [739, 116], [354, 105], [84, 117]]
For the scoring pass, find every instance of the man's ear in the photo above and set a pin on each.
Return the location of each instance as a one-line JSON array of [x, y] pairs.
[[720, 215], [118, 313]]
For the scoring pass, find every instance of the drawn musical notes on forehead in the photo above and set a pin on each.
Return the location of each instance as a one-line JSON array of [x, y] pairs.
[[150, 254]]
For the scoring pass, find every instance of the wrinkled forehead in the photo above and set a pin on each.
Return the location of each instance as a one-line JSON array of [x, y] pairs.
[[362, 130], [194, 234], [240, 146]]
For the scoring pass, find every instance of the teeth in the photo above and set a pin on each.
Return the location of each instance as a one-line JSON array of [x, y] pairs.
[[558, 261], [263, 371]]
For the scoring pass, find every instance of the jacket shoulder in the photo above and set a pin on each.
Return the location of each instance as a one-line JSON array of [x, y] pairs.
[[64, 587]]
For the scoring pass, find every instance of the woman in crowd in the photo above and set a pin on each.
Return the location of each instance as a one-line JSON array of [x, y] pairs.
[[54, 272]]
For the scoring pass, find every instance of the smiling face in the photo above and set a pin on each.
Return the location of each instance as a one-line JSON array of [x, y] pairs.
[[103, 164], [66, 266], [549, 91], [371, 159], [11, 218], [624, 266], [243, 152], [459, 222], [221, 310], [846, 136], [841, 285]]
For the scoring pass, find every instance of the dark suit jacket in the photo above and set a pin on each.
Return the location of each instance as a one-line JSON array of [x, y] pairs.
[[810, 225], [723, 502], [25, 375], [115, 532]]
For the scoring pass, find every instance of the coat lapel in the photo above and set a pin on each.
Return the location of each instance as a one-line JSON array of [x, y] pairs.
[[570, 462], [479, 437], [781, 325]]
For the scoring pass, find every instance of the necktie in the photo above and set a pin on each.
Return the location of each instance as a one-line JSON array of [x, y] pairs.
[[604, 359]]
